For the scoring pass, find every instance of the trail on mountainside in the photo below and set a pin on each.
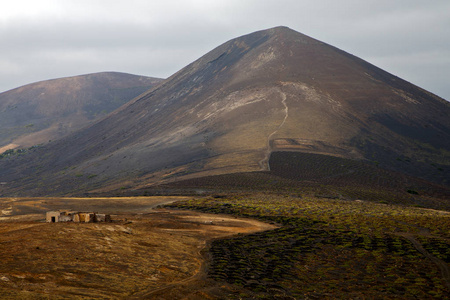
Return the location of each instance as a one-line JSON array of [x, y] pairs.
[[442, 265], [264, 163]]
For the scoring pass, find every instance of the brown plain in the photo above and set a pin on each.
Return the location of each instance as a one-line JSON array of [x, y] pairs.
[[155, 253]]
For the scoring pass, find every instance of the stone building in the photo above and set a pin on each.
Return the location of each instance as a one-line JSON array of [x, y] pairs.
[[73, 216], [60, 216], [86, 217]]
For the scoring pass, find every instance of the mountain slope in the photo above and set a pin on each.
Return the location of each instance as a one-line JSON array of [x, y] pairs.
[[47, 110], [272, 90]]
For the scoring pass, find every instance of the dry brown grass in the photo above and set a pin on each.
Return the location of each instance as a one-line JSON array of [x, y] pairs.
[[137, 255]]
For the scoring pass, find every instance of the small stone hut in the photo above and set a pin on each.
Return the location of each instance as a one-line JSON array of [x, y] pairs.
[[73, 216], [86, 217], [60, 216], [102, 218]]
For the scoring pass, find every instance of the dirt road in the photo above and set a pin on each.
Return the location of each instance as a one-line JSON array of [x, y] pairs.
[[156, 253]]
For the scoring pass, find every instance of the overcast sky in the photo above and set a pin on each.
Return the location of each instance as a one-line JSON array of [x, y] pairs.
[[45, 39]]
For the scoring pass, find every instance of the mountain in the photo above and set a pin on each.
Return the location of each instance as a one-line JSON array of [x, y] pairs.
[[274, 90], [47, 110]]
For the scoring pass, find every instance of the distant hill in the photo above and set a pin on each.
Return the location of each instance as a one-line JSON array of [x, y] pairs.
[[47, 110], [274, 90]]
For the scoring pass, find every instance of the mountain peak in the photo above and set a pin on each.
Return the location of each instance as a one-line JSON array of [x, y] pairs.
[[271, 90], [280, 30], [286, 33]]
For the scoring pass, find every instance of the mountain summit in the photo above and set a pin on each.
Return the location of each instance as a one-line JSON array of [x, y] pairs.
[[271, 90], [47, 110]]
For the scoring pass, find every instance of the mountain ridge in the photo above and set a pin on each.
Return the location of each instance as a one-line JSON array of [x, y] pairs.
[[272, 90], [35, 113]]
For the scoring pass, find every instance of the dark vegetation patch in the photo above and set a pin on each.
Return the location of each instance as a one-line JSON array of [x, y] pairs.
[[328, 248], [15, 152], [324, 176], [437, 247]]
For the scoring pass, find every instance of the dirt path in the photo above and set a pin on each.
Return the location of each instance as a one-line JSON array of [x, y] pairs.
[[264, 163], [155, 254], [31, 209], [442, 265], [200, 273], [242, 226]]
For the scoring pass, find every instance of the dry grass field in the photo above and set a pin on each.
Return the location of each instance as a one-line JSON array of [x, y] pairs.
[[225, 246], [143, 253]]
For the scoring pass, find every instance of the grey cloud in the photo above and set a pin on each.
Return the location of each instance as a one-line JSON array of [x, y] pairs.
[[156, 38]]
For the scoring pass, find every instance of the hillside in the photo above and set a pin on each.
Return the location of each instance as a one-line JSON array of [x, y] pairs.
[[47, 110], [272, 90]]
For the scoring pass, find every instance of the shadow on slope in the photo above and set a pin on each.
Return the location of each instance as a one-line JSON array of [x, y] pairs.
[[319, 175]]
